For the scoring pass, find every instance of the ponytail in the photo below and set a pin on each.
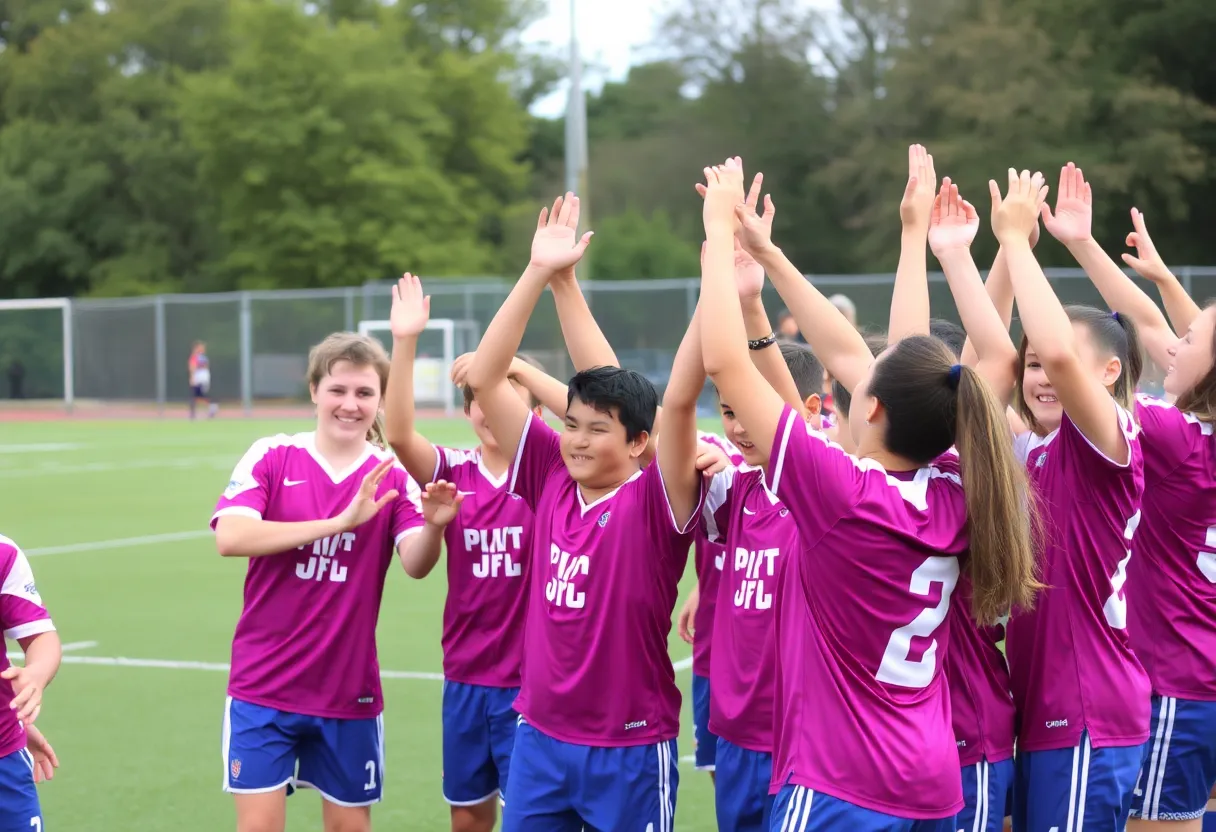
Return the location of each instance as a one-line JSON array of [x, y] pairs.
[[1129, 379], [375, 434], [1003, 520]]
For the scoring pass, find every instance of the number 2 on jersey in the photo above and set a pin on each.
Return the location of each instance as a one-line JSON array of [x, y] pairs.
[[1207, 559], [896, 667], [1115, 608]]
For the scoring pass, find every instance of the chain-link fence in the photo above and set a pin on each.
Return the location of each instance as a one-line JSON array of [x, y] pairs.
[[136, 350]]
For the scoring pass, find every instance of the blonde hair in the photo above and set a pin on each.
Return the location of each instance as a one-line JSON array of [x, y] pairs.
[[361, 351]]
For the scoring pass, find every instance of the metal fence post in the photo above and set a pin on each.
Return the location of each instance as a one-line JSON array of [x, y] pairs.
[[246, 329], [69, 361]]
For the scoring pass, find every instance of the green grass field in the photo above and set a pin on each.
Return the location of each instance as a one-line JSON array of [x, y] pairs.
[[114, 516]]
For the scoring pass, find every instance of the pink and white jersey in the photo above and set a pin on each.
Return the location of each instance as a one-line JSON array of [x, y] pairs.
[[863, 711], [709, 557], [1172, 615], [1071, 665], [759, 535], [306, 639], [487, 546], [22, 615], [980, 701], [604, 584]]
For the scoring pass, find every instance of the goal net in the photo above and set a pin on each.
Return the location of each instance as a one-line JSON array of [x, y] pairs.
[[36, 353], [444, 340]]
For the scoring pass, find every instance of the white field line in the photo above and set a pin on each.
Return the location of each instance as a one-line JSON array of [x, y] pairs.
[[67, 648], [119, 543], [40, 448]]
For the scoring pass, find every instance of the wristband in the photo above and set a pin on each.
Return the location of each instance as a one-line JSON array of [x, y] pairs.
[[761, 343]]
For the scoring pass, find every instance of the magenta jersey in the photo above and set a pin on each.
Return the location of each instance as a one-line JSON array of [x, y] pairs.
[[1172, 615], [863, 710], [487, 546], [1071, 665], [709, 557], [306, 639], [758, 533], [980, 700], [604, 579], [22, 616]]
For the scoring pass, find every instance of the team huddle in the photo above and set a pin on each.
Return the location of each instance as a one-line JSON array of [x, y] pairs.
[[971, 586]]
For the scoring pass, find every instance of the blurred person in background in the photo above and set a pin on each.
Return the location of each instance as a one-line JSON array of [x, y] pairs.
[[199, 368]]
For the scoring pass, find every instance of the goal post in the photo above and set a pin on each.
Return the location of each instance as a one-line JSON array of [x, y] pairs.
[[36, 351], [444, 340]]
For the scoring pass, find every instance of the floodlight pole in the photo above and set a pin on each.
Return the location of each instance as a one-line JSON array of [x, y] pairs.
[[576, 134]]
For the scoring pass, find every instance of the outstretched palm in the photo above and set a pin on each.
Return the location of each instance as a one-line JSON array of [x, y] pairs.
[[441, 503], [411, 309], [1072, 221], [749, 275], [556, 245], [953, 223], [365, 506]]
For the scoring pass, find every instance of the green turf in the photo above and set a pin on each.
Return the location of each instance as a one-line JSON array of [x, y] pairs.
[[140, 747]]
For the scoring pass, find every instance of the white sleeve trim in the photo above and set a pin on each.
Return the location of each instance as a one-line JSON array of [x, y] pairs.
[[1127, 427], [671, 514], [715, 497], [412, 530], [519, 452], [237, 511], [783, 446], [33, 628], [439, 458]]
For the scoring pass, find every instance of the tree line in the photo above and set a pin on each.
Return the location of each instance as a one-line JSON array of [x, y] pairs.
[[207, 145]]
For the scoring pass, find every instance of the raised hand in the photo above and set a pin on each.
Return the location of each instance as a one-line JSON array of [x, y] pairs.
[[45, 761], [917, 204], [1015, 216], [1146, 261], [724, 196], [954, 221], [1072, 221], [411, 309], [556, 245], [749, 275], [460, 368], [365, 506], [441, 503], [711, 459]]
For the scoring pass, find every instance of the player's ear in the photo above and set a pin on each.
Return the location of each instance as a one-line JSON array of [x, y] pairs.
[[312, 392], [814, 411], [638, 446]]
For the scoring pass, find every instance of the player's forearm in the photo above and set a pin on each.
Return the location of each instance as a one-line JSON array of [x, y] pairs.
[[43, 654], [585, 340], [1179, 306], [421, 550], [414, 451], [910, 297], [677, 450], [492, 360], [989, 338], [249, 537], [1000, 293], [769, 360], [835, 341], [548, 391]]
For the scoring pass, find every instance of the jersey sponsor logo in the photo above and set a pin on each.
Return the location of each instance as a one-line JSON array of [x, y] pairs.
[[629, 726], [366, 700], [287, 481], [604, 518], [500, 549], [757, 567], [1057, 723], [234, 487], [323, 560], [562, 589]]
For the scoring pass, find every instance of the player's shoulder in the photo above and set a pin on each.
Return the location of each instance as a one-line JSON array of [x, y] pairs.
[[456, 458], [9, 551], [277, 443]]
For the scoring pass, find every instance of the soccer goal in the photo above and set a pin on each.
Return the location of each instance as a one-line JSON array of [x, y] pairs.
[[36, 351], [444, 340]]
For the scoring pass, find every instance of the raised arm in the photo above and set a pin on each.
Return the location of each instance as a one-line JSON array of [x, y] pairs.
[[836, 342], [410, 313], [953, 227], [1048, 328], [554, 247], [910, 298], [585, 340], [1181, 309], [420, 552], [1072, 224], [677, 450], [756, 404], [549, 391]]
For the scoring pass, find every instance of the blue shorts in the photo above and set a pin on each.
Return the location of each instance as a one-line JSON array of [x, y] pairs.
[[1179, 762], [1209, 822], [562, 787], [741, 788], [266, 749], [1075, 788], [478, 735], [986, 790], [705, 743], [799, 808], [19, 809]]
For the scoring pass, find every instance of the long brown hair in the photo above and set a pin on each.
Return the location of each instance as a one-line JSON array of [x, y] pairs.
[[933, 404], [1200, 400], [361, 351]]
